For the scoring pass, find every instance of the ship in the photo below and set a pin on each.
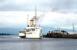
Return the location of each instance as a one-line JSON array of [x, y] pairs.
[[32, 30]]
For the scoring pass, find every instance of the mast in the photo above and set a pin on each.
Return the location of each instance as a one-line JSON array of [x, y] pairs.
[[27, 20], [73, 27], [35, 11], [33, 21], [35, 17]]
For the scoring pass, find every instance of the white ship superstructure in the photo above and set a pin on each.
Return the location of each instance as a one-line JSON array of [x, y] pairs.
[[32, 30]]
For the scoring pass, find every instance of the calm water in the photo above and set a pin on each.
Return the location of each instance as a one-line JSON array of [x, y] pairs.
[[15, 43]]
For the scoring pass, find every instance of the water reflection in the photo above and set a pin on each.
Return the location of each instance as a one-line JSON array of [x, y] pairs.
[[44, 44]]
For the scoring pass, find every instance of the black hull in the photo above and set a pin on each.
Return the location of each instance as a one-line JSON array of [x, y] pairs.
[[22, 36]]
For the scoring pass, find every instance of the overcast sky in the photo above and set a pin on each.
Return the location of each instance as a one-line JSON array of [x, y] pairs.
[[58, 13], [43, 5]]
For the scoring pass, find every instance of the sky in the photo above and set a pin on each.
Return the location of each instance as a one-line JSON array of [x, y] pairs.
[[52, 13]]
